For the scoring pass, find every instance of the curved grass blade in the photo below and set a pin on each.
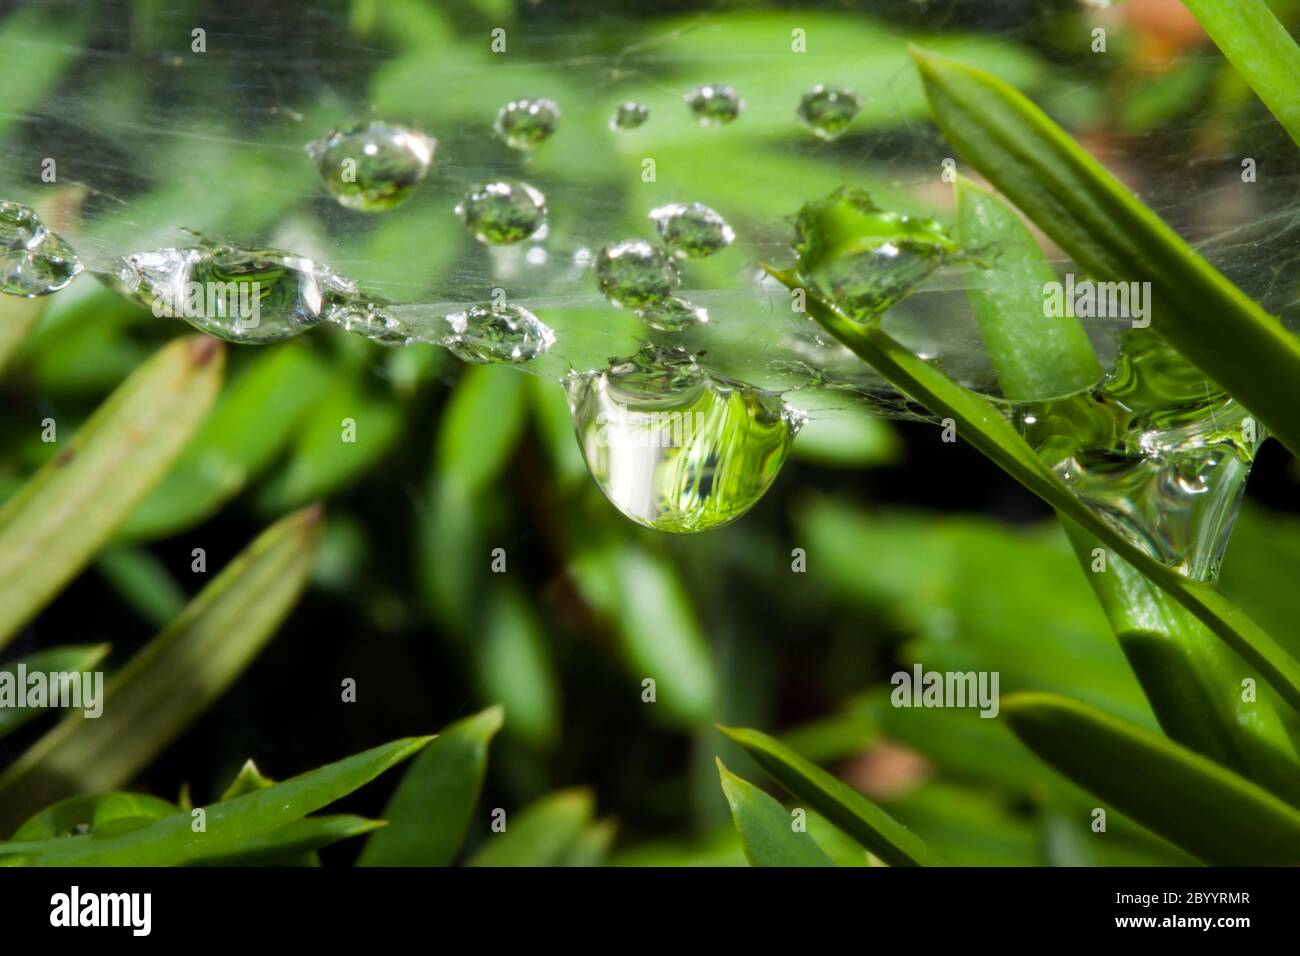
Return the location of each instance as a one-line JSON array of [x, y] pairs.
[[1257, 44], [1192, 679], [56, 522], [1112, 235], [101, 814], [230, 824], [164, 687], [431, 809], [295, 843], [542, 835], [983, 425], [836, 801], [72, 659], [1191, 801], [765, 827]]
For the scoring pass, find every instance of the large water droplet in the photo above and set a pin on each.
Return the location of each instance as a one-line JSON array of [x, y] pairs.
[[692, 230], [33, 260], [240, 295], [635, 274], [486, 334], [629, 116], [524, 124], [828, 110], [861, 257], [372, 166], [714, 104], [1157, 450], [502, 212], [354, 311], [675, 448]]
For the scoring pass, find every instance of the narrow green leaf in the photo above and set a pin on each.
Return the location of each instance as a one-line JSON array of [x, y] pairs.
[[541, 834], [1191, 801], [143, 582], [1192, 679], [1115, 238], [979, 422], [513, 661], [836, 801], [230, 824], [17, 316], [100, 814], [294, 843], [480, 425], [431, 809], [275, 391], [766, 828], [593, 844], [248, 780], [175, 678], [1257, 44], [1035, 356], [55, 523], [70, 659]]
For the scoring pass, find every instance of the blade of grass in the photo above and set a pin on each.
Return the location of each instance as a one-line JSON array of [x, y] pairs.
[[1256, 43], [164, 687], [55, 523], [71, 659], [1112, 235], [765, 827], [543, 833], [837, 801], [983, 425], [1191, 801], [229, 824], [431, 809], [295, 843]]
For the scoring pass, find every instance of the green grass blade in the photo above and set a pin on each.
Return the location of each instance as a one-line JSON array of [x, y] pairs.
[[230, 824], [1191, 801], [71, 659], [431, 809], [164, 687], [1192, 679], [542, 834], [1035, 356], [1115, 238], [101, 814], [293, 842], [765, 827], [979, 422], [837, 801], [1257, 44], [56, 522]]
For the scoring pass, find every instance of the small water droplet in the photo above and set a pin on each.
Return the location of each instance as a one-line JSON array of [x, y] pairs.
[[675, 448], [673, 314], [364, 315], [635, 274], [502, 212], [828, 110], [33, 260], [692, 230], [629, 116], [864, 258], [372, 167], [484, 334], [525, 124], [714, 104]]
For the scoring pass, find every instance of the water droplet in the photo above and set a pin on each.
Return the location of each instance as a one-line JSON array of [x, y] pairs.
[[240, 295], [828, 110], [33, 260], [629, 116], [673, 314], [635, 274], [502, 212], [484, 334], [354, 311], [692, 230], [524, 124], [675, 448], [714, 104], [861, 257], [1156, 449], [372, 166]]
